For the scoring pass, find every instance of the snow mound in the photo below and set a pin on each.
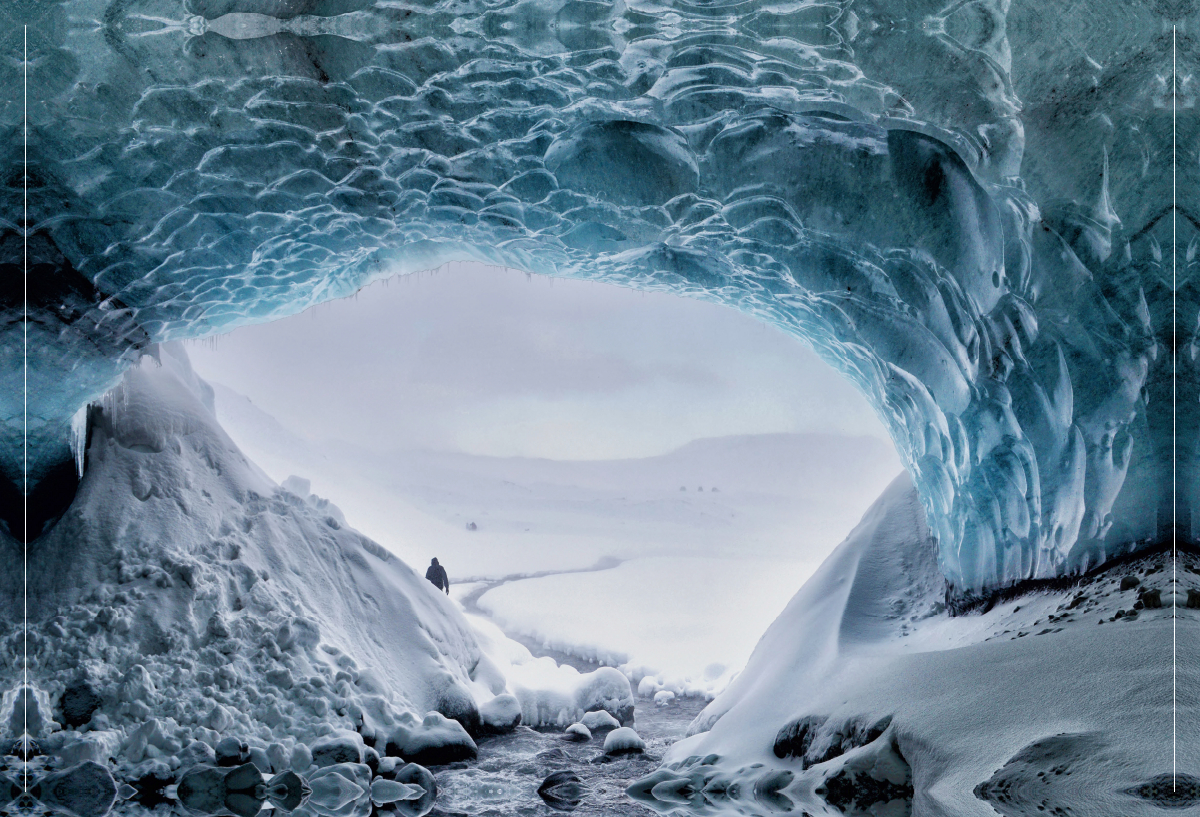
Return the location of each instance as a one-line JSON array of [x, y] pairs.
[[577, 732], [599, 721], [867, 696], [433, 741], [186, 610], [620, 741], [501, 714], [549, 694]]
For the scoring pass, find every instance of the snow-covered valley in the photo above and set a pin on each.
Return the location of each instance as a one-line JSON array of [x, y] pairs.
[[603, 559]]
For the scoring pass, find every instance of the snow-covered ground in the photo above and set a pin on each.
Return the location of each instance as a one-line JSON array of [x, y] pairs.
[[865, 695], [684, 624], [701, 548]]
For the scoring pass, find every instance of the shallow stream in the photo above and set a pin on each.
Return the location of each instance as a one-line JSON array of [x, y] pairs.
[[504, 780], [510, 768]]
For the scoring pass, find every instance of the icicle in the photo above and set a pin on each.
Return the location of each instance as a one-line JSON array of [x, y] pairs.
[[79, 438], [1103, 212]]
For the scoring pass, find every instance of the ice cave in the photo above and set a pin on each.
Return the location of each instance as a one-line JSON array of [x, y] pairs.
[[983, 213]]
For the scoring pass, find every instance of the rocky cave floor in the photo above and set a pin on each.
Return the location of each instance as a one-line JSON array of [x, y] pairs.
[[510, 769], [539, 772]]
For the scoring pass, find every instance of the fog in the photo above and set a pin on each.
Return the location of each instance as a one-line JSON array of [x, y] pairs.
[[494, 362]]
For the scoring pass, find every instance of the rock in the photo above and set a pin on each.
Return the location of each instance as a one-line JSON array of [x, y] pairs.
[[150, 779], [344, 788], [301, 758], [198, 752], [1151, 599], [244, 791], [146, 740], [384, 791], [278, 756], [500, 715], [98, 747], [435, 741], [1168, 791], [287, 790], [218, 718], [622, 741], [457, 703], [563, 791], [231, 751], [577, 732], [606, 688], [78, 702], [414, 774], [1130, 582], [663, 697], [202, 789], [371, 758], [260, 760], [217, 627], [599, 721], [1193, 599], [340, 747], [84, 790]]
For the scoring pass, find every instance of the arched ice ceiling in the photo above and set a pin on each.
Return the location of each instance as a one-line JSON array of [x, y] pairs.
[[967, 209]]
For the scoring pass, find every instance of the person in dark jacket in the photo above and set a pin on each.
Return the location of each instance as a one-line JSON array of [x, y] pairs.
[[437, 574]]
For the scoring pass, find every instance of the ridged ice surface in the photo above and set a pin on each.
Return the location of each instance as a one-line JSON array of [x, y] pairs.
[[975, 231]]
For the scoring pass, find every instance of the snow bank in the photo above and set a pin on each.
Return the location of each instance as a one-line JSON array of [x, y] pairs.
[[865, 684], [550, 694], [682, 624]]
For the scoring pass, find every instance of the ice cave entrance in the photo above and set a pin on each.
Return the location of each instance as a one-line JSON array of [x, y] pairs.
[[610, 476]]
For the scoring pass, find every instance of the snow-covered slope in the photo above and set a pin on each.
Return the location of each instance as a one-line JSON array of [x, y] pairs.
[[794, 495], [866, 694], [183, 589]]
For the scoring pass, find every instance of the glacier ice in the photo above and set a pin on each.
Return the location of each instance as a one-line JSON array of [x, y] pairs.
[[969, 218], [970, 208]]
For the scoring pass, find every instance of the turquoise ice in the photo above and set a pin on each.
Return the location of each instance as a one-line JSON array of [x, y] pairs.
[[965, 214]]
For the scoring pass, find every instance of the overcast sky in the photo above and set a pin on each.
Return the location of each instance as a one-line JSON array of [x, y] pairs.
[[494, 362]]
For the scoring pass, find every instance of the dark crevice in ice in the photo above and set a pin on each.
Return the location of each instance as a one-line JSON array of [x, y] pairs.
[[965, 604]]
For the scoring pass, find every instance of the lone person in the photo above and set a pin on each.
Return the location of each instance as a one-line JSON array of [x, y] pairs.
[[437, 574]]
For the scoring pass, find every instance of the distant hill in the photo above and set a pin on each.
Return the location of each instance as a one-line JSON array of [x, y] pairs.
[[774, 493]]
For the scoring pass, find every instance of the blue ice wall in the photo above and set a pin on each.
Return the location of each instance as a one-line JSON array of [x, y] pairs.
[[963, 212]]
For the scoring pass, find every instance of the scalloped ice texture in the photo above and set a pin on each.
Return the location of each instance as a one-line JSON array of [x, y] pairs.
[[973, 230]]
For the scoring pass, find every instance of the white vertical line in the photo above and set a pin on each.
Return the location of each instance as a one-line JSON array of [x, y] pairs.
[[25, 409], [1174, 435]]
